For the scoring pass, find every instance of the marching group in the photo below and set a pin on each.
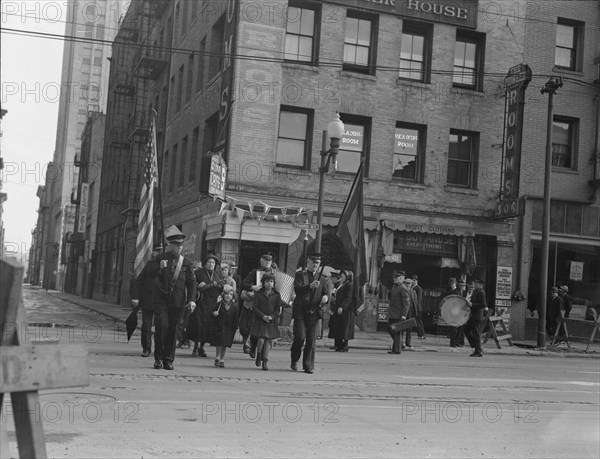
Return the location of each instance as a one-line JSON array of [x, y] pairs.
[[204, 304]]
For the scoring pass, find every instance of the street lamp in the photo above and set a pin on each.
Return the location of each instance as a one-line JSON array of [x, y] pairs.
[[335, 131]]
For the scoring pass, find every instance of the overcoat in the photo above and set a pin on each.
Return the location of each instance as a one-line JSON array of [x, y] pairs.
[[266, 305]]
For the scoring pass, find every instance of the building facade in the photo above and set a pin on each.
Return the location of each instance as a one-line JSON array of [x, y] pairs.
[[84, 83], [3, 196]]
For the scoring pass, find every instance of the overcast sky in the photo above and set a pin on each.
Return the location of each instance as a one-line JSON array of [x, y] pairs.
[[31, 71]]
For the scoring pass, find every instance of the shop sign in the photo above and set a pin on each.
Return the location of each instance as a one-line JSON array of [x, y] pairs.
[[218, 177], [504, 283], [83, 208], [353, 137], [383, 311], [427, 244], [434, 228], [457, 12], [503, 304], [516, 83], [576, 273], [393, 258]]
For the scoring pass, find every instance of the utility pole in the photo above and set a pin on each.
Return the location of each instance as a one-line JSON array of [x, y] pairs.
[[550, 87]]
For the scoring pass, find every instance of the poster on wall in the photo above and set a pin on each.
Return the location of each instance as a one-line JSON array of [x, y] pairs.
[[576, 273], [503, 283]]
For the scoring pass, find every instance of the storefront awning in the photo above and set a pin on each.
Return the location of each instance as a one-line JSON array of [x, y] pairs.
[[432, 228]]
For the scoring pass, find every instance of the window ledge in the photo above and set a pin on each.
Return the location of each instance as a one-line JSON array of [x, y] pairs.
[[467, 191], [412, 83], [408, 185], [566, 71], [291, 171], [360, 76], [564, 170], [470, 92], [310, 67]]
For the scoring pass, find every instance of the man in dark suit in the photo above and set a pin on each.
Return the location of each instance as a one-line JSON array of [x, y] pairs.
[[553, 311], [311, 297], [249, 286], [398, 310], [418, 306], [168, 282], [479, 310]]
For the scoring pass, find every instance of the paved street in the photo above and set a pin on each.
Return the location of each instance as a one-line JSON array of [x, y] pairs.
[[365, 403]]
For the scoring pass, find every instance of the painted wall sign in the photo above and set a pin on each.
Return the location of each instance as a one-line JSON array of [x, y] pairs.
[[83, 208], [441, 245], [457, 12]]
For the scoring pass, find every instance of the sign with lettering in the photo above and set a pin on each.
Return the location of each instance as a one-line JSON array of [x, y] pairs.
[[383, 311], [228, 51], [457, 12], [218, 177], [441, 245], [576, 272], [516, 83], [353, 137], [503, 282], [509, 208], [429, 228], [83, 208]]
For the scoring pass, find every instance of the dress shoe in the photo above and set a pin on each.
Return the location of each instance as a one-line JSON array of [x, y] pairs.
[[308, 370], [221, 364], [252, 353], [344, 349], [264, 366], [258, 359], [146, 353], [393, 352], [168, 365], [158, 364], [246, 349], [476, 354], [216, 362], [294, 366], [409, 348], [195, 353], [202, 353]]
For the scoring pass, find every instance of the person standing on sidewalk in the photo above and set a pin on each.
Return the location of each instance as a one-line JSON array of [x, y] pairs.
[[398, 310], [479, 310], [311, 296], [145, 302], [226, 323], [418, 306], [169, 281], [412, 300], [455, 332]]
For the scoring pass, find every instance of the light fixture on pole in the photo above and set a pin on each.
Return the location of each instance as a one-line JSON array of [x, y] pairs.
[[335, 131]]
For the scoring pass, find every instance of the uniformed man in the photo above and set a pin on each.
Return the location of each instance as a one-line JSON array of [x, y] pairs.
[[311, 297], [251, 284], [398, 310], [170, 283]]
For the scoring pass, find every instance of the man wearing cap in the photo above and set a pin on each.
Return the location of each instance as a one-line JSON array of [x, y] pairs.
[[563, 292], [479, 310], [249, 286], [169, 281], [398, 310], [418, 306], [311, 296], [145, 301], [554, 307], [457, 334]]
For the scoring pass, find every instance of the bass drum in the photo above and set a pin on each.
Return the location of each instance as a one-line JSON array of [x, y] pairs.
[[455, 310]]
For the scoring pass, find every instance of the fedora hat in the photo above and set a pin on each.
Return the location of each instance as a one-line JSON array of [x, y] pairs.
[[174, 234]]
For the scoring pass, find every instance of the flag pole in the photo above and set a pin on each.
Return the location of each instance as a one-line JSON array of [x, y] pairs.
[[159, 189]]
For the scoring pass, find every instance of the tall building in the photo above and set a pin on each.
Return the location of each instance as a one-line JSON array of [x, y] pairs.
[[90, 28], [2, 195]]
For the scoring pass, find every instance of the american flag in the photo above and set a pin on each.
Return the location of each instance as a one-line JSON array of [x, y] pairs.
[[143, 244]]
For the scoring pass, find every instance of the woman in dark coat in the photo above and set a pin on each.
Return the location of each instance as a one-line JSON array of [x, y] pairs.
[[267, 307], [209, 287], [341, 324], [225, 324]]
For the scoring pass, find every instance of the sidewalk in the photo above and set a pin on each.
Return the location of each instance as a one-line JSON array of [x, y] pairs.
[[377, 340]]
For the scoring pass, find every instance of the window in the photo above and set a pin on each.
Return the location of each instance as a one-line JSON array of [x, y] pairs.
[[564, 133], [409, 151], [179, 90], [100, 32], [190, 78], [98, 57], [201, 60], [462, 159], [89, 30], [294, 141], [183, 158], [354, 144], [360, 43], [194, 9], [172, 94], [468, 60], [216, 47], [194, 152], [210, 134], [415, 52], [173, 169], [184, 17], [301, 32], [569, 40], [165, 168]]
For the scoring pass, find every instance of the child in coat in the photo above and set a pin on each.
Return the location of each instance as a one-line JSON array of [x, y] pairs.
[[225, 314], [267, 307]]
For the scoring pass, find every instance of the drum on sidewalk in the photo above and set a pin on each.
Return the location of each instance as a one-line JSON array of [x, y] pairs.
[[455, 310]]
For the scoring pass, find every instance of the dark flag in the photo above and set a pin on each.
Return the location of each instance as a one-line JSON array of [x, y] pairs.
[[350, 232]]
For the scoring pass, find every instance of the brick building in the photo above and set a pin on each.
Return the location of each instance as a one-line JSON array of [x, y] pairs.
[[420, 88]]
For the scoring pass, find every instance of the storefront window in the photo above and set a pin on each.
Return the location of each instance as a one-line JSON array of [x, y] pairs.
[[557, 217], [589, 225], [573, 222]]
